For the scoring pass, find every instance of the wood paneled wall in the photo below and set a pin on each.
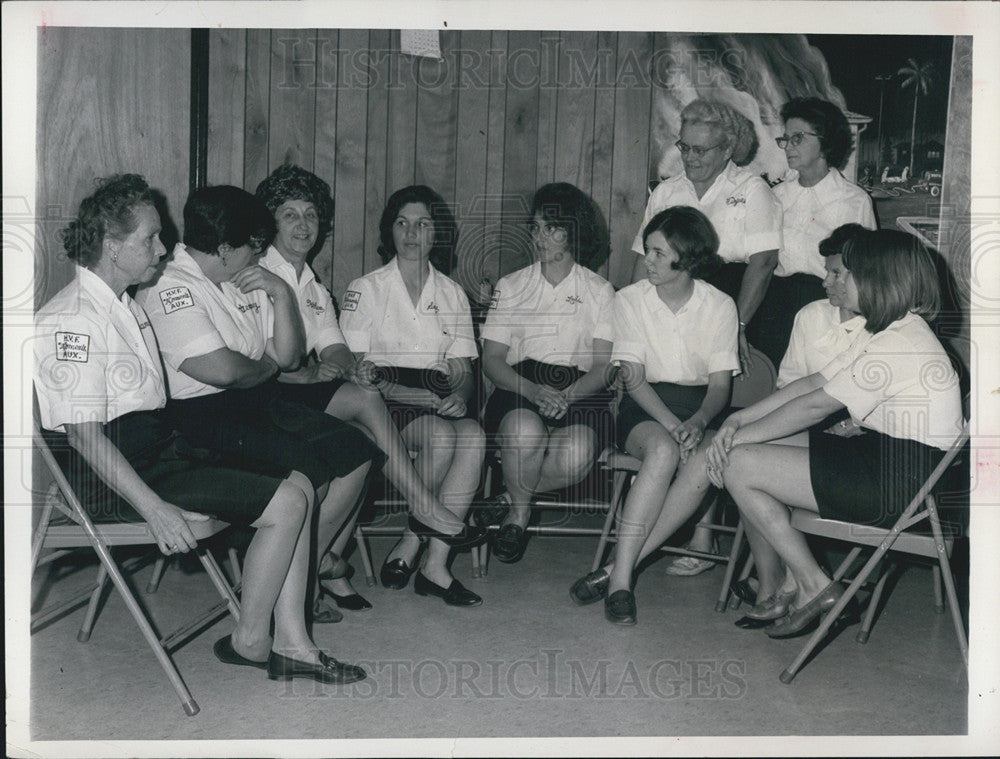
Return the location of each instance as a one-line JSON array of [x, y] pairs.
[[109, 101], [501, 114]]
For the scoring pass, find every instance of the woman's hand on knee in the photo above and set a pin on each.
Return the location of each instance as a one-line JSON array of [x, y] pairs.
[[453, 405]]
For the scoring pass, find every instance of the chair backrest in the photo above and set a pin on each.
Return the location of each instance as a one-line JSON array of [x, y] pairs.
[[756, 383]]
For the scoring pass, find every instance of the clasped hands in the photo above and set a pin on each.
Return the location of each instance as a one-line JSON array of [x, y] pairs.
[[718, 451], [551, 402]]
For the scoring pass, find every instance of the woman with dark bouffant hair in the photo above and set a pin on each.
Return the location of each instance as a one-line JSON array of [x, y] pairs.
[[101, 391], [410, 328], [546, 347], [898, 384], [327, 378], [675, 341], [815, 200]]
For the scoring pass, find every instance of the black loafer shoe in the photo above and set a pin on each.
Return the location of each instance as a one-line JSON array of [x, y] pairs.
[[469, 536], [743, 591], [509, 543], [395, 574], [329, 671], [455, 594], [619, 608], [590, 588], [352, 602], [492, 512], [225, 653]]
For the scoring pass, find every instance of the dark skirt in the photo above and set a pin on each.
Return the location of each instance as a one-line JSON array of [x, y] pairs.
[[259, 429], [404, 414], [593, 412], [315, 395], [187, 477], [867, 479], [682, 400], [775, 317]]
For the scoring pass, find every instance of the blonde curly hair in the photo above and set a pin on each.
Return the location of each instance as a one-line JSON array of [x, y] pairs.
[[736, 129]]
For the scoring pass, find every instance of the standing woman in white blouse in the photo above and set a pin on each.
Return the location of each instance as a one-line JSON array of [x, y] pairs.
[[814, 201], [547, 347], [896, 381], [412, 326]]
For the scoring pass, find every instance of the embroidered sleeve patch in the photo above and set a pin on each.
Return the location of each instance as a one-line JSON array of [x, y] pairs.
[[351, 300], [495, 299], [71, 346], [175, 298]]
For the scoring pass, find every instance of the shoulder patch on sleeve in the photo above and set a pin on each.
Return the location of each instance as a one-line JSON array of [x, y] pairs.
[[351, 300], [495, 299], [72, 346], [175, 298]]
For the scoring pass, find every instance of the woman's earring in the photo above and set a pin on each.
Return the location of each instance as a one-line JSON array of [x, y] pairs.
[[223, 262], [114, 258]]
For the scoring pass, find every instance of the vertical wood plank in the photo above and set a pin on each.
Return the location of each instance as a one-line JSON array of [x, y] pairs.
[[472, 80], [493, 200], [375, 161], [258, 68], [227, 85], [575, 121], [351, 143], [106, 105], [520, 146], [295, 74], [630, 155], [548, 98], [604, 127], [437, 105], [325, 151], [402, 138]]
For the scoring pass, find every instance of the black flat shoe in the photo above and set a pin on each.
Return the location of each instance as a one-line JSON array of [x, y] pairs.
[[468, 537], [395, 574], [455, 594], [352, 602], [749, 623], [743, 591], [619, 608], [225, 653], [590, 588], [492, 512], [509, 543], [329, 671]]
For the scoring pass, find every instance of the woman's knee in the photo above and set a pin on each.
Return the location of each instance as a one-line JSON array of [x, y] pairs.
[[290, 504], [469, 437], [573, 453]]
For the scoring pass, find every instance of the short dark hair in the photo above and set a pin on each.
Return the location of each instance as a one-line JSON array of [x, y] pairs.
[[224, 214], [691, 235], [442, 254], [894, 274], [572, 210], [108, 211], [834, 244], [291, 182], [829, 123]]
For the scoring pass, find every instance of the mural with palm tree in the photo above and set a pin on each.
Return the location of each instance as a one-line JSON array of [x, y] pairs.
[[919, 76]]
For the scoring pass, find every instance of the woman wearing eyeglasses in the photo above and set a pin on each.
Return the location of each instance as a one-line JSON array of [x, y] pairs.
[[815, 200], [716, 143]]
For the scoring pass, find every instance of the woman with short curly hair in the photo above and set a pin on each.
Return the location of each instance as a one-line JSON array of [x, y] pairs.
[[815, 200]]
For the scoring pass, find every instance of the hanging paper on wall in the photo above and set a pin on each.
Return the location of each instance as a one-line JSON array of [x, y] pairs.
[[423, 42]]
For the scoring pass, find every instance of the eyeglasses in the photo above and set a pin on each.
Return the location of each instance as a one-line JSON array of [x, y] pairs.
[[792, 139], [698, 152], [548, 229]]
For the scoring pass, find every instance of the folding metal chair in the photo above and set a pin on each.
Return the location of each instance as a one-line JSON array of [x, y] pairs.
[[934, 546], [756, 383], [65, 525]]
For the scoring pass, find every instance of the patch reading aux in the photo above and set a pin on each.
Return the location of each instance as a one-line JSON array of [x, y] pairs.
[[71, 346], [175, 298], [351, 300]]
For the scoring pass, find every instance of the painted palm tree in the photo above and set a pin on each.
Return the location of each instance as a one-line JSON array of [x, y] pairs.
[[920, 76]]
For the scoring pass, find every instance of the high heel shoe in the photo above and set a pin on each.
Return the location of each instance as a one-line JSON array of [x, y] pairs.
[[340, 569], [468, 537], [395, 574], [806, 619]]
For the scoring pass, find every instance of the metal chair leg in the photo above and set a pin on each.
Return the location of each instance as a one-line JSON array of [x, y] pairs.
[[620, 479], [158, 569], [366, 559], [949, 581], [720, 605], [866, 623], [234, 566], [938, 597], [95, 600]]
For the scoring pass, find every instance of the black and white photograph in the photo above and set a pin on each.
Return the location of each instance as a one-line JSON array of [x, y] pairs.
[[455, 379]]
